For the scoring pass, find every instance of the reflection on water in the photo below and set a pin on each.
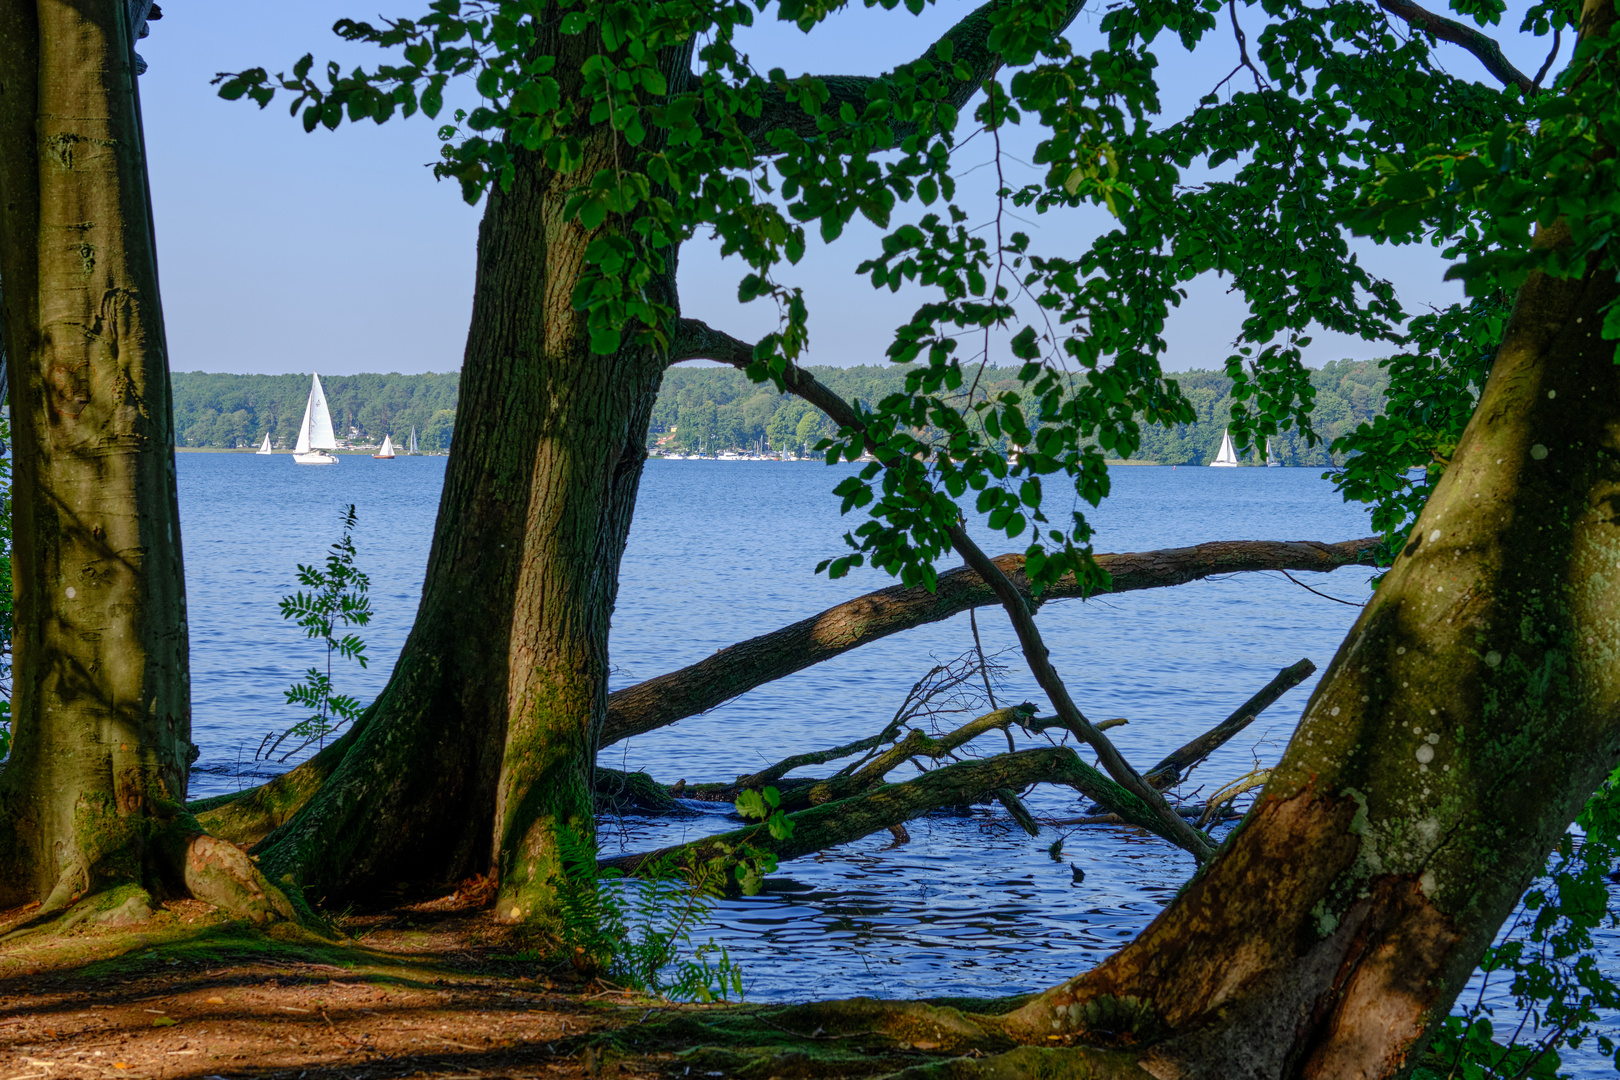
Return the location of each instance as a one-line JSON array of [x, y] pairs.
[[722, 551]]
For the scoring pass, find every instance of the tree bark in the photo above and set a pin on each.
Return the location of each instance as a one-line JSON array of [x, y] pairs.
[[734, 670], [481, 746], [92, 797]]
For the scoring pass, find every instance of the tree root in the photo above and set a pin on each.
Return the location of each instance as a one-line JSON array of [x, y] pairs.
[[220, 873], [182, 861], [1047, 1063], [249, 816], [897, 1040]]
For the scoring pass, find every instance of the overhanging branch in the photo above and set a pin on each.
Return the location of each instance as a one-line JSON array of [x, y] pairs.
[[1018, 609]]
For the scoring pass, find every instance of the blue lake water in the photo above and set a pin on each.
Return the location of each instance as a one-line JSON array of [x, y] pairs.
[[722, 551]]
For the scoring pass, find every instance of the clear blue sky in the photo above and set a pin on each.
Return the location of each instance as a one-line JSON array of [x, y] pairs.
[[339, 252]]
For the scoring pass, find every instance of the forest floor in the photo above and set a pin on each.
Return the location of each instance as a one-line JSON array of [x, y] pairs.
[[436, 990], [432, 990]]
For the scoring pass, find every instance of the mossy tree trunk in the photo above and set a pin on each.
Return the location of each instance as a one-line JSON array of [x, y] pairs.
[[93, 796], [1470, 712], [482, 744]]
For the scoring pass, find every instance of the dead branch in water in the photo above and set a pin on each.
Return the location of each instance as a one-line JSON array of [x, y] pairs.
[[846, 820]]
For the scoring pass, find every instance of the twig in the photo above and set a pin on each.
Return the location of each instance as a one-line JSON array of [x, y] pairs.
[[1323, 595], [984, 670], [1546, 65]]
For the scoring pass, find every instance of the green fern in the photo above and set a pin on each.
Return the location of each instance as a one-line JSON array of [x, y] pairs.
[[639, 930]]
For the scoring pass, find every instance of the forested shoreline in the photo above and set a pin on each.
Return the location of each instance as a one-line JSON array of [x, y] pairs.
[[714, 408], [224, 410]]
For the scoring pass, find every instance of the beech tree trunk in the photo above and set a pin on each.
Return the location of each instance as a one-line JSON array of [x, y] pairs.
[[93, 796], [1471, 711], [481, 746]]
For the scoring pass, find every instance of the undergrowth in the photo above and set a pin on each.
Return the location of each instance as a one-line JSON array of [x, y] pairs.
[[639, 931]]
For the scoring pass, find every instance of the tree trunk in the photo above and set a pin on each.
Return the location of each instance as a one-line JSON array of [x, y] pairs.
[[480, 748], [93, 795], [1464, 721]]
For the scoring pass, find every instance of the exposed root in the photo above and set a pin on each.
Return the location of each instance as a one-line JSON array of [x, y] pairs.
[[250, 816], [219, 873], [1027, 1062]]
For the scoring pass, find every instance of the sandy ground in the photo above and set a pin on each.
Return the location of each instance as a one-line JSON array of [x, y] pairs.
[[413, 993]]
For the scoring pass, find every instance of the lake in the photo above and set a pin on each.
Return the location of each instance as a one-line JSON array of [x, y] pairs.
[[722, 551]]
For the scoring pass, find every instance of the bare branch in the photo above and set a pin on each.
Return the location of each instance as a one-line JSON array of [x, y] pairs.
[[840, 822], [1020, 610], [1486, 49], [1176, 766]]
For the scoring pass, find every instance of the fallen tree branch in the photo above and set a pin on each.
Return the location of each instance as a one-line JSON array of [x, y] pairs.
[[1019, 611], [846, 820], [1178, 764], [736, 669], [799, 793]]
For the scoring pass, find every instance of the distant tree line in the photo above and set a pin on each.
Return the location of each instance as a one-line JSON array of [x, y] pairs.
[[718, 408], [713, 408], [236, 410]]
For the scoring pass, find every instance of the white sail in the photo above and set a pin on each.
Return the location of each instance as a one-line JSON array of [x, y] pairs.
[[387, 450], [411, 446], [1271, 458], [1228, 456], [316, 431], [265, 449]]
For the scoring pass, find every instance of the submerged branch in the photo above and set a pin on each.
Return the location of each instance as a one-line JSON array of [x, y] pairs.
[[846, 820]]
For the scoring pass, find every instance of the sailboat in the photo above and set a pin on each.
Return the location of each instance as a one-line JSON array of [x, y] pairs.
[[1271, 459], [265, 449], [315, 435], [410, 447], [1227, 458], [387, 451]]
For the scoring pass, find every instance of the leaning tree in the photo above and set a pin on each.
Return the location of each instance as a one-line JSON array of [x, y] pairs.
[[1466, 717], [92, 797]]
